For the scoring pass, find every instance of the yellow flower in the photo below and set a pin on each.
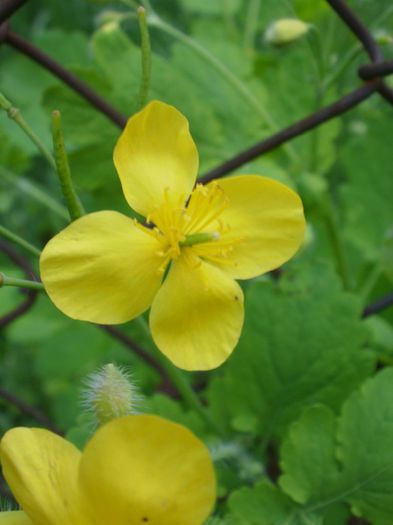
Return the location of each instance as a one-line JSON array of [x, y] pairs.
[[135, 470], [108, 268]]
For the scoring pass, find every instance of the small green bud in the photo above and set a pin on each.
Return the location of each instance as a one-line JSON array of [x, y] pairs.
[[110, 394], [383, 38], [111, 19], [285, 30]]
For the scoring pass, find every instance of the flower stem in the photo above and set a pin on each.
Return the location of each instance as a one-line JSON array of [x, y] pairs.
[[181, 383], [155, 21], [146, 57], [370, 281], [74, 205], [336, 244], [251, 27], [4, 232], [15, 115], [21, 283], [34, 192]]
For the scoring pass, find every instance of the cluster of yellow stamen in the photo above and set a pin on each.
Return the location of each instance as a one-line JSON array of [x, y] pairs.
[[195, 225]]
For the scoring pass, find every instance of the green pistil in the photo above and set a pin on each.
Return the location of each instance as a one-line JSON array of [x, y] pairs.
[[198, 238]]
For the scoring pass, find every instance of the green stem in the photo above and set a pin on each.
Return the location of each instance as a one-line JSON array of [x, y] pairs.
[[34, 192], [15, 115], [229, 22], [226, 73], [181, 383], [18, 240], [251, 26], [146, 57], [342, 66], [74, 205], [336, 244], [21, 283], [370, 282]]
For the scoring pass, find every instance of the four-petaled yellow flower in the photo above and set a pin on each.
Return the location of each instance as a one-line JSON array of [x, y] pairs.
[[136, 470], [107, 268]]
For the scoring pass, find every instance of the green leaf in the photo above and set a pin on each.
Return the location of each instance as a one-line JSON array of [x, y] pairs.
[[308, 455], [365, 436], [301, 344], [366, 162], [120, 62], [387, 255], [263, 504], [218, 7], [173, 410], [347, 460]]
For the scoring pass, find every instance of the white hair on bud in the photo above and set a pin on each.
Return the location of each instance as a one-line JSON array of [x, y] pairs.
[[110, 393]]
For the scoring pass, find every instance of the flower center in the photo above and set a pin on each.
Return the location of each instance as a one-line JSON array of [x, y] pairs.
[[194, 225]]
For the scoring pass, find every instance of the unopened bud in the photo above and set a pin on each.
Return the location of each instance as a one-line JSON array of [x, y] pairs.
[[285, 30], [383, 38], [110, 394]]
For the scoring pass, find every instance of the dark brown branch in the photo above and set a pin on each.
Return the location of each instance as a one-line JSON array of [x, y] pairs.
[[28, 49], [379, 69], [30, 295], [361, 32], [8, 8], [22, 309], [27, 409], [130, 344], [295, 130], [352, 21], [378, 306]]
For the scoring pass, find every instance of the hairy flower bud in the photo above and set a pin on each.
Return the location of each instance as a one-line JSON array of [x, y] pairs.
[[110, 394], [285, 30]]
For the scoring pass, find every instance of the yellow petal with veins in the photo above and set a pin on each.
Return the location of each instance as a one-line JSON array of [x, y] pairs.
[[156, 158], [143, 469], [15, 517], [41, 469], [262, 227], [102, 268], [197, 315]]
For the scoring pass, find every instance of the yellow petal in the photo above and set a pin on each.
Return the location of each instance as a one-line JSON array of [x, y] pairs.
[[145, 470], [102, 268], [15, 517], [197, 315], [156, 154], [265, 221], [41, 469]]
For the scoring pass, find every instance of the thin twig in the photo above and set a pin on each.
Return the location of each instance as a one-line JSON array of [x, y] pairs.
[[335, 109], [369, 43], [29, 410], [28, 49], [8, 8], [378, 306], [30, 300], [371, 71], [22, 309], [137, 349]]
